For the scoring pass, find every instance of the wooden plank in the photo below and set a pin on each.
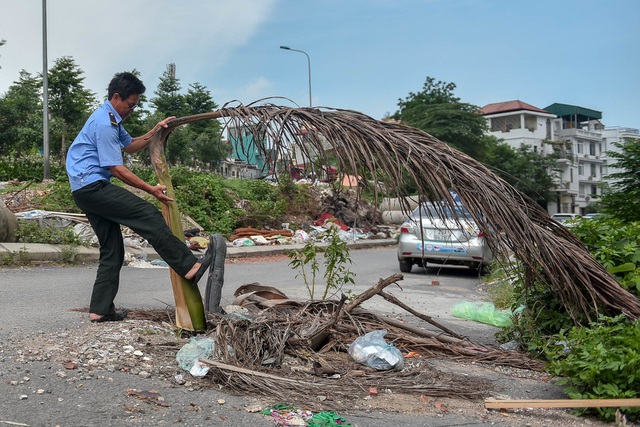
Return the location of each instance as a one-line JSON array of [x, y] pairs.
[[561, 403]]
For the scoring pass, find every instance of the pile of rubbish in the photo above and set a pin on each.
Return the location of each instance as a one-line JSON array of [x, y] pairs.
[[268, 344]]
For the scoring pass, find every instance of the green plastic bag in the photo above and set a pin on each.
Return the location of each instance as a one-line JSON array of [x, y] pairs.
[[483, 312]]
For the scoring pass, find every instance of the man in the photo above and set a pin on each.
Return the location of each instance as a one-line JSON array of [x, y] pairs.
[[93, 158]]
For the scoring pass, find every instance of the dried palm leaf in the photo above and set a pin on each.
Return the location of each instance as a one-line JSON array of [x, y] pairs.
[[392, 154]]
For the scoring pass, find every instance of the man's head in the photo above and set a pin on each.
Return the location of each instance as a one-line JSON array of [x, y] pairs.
[[124, 93]]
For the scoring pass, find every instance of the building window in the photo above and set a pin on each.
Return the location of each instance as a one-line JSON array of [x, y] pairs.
[[505, 124], [580, 169], [593, 170], [592, 149]]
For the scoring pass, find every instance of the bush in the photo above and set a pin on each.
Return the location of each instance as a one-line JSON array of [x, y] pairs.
[[28, 168], [616, 245], [218, 205], [32, 232], [601, 361]]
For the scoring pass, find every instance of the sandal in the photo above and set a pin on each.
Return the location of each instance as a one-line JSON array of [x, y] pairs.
[[205, 263], [115, 317]]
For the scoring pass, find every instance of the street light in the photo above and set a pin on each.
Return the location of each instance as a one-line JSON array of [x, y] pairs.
[[308, 64], [45, 95]]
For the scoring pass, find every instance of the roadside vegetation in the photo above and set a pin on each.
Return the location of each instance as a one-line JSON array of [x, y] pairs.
[[594, 360]]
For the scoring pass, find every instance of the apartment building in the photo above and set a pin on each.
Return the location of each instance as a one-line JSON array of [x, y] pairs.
[[574, 134]]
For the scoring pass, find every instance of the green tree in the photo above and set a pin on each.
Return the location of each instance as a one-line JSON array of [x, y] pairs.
[[526, 170], [21, 116], [69, 102], [197, 144], [622, 198], [206, 135], [441, 114], [168, 100]]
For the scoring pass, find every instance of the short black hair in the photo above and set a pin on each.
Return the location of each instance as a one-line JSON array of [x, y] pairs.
[[126, 84]]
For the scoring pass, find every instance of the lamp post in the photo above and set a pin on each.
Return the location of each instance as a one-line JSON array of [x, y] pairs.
[[308, 65], [45, 94]]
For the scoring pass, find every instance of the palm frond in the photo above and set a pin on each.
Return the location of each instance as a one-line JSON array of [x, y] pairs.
[[391, 153]]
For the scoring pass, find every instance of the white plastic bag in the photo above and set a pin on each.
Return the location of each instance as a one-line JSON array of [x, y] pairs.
[[195, 349], [372, 350]]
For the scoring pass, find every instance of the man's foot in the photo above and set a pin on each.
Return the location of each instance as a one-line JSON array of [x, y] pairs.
[[115, 317]]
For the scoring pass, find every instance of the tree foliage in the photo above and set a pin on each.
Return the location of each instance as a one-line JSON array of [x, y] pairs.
[[622, 198], [437, 111], [70, 103], [21, 116], [197, 144], [526, 170]]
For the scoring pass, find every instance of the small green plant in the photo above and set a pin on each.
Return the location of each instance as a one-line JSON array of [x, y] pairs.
[[8, 259], [601, 361], [68, 253], [336, 257]]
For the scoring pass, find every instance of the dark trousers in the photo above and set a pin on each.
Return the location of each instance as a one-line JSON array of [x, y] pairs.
[[107, 206]]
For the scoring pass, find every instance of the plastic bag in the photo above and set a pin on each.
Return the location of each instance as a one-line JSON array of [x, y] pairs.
[[483, 312], [372, 350], [193, 350], [243, 241]]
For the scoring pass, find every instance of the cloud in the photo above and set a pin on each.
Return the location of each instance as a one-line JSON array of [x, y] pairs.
[[107, 37]]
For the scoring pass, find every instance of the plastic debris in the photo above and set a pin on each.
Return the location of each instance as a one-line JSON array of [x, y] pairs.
[[195, 349], [243, 241], [372, 350], [285, 415], [483, 312]]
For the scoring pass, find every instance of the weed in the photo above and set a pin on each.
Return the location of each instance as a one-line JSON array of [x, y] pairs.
[[68, 254], [336, 257]]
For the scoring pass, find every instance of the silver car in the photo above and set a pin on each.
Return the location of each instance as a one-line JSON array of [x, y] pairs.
[[432, 234]]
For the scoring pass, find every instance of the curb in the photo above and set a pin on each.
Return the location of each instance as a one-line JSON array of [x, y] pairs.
[[29, 252]]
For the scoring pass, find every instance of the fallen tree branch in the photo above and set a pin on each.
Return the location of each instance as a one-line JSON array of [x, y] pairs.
[[429, 319], [382, 283]]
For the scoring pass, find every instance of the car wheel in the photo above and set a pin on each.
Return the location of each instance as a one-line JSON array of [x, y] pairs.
[[405, 266]]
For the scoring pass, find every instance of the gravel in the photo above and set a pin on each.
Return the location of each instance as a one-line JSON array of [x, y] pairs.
[[126, 373]]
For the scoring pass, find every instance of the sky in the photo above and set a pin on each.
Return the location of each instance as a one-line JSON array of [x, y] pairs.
[[365, 55]]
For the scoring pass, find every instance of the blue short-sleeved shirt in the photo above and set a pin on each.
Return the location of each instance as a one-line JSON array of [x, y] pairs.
[[98, 146]]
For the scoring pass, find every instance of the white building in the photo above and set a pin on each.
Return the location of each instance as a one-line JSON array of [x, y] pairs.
[[574, 134], [610, 136]]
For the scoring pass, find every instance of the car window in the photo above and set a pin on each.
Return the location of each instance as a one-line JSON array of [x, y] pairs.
[[432, 211]]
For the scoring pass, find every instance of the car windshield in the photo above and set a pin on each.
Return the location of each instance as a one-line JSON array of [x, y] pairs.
[[443, 211]]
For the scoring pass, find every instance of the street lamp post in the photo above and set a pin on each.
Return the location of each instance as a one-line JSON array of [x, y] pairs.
[[45, 94], [308, 65]]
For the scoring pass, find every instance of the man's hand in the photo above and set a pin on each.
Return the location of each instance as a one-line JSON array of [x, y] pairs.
[[160, 192], [164, 123], [161, 124]]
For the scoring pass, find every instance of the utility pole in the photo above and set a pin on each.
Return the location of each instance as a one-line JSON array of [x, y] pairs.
[[45, 94]]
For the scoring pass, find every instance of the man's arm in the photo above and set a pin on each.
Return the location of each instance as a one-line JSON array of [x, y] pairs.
[[143, 141], [128, 177]]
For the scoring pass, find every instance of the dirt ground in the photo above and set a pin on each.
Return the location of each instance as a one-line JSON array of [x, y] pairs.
[[147, 349]]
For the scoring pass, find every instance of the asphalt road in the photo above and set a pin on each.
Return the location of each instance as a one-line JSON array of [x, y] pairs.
[[42, 297], [41, 300]]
